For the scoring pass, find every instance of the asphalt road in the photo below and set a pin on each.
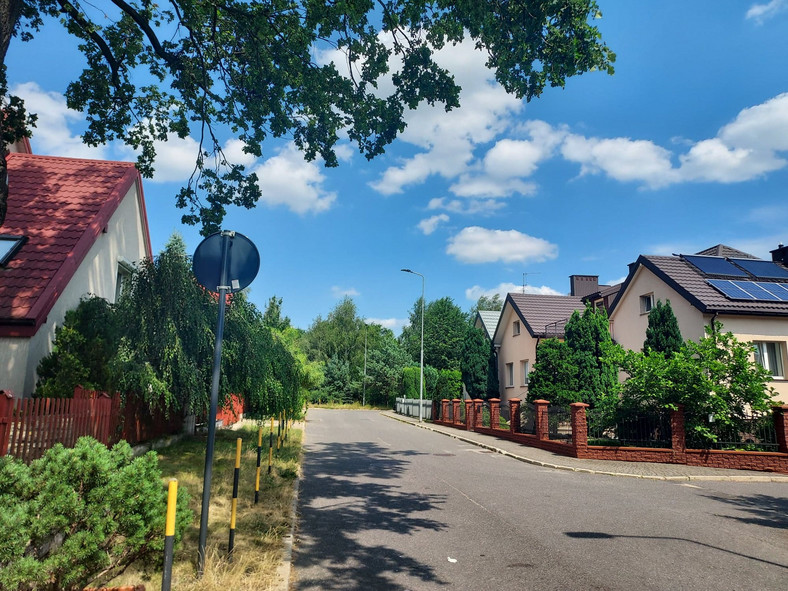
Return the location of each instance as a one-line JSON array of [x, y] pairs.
[[384, 505]]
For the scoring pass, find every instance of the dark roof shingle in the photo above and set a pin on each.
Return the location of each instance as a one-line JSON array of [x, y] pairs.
[[539, 311]]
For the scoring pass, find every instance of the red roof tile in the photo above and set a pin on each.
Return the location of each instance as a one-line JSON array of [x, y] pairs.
[[61, 205]]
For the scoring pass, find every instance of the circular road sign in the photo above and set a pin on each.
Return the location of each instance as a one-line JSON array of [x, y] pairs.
[[243, 261]]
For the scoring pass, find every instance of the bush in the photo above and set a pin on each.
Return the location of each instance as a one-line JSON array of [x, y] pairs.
[[80, 516], [449, 384], [410, 382]]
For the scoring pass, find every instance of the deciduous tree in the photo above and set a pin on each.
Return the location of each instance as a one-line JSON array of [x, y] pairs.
[[259, 69]]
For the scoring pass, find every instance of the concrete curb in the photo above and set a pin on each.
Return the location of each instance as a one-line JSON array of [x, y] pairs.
[[283, 572], [708, 478]]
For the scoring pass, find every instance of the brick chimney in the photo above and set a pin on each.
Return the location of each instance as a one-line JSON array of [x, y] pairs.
[[780, 254], [583, 285]]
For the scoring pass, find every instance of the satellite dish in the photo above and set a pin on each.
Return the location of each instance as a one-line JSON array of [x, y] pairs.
[[242, 265]]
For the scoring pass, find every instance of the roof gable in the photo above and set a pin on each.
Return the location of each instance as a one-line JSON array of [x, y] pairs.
[[489, 320], [538, 311], [60, 205], [693, 285], [723, 250]]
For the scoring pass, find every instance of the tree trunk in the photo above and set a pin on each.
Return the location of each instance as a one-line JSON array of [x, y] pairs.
[[10, 11]]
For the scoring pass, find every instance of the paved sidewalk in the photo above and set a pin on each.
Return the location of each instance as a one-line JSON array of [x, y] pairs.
[[540, 457]]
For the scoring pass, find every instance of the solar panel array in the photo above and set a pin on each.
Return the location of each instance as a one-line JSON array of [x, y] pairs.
[[715, 266], [751, 290], [762, 269]]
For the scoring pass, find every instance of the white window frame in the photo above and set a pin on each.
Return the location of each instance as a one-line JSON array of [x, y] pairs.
[[122, 277], [509, 375], [772, 362], [646, 303], [525, 369], [515, 328]]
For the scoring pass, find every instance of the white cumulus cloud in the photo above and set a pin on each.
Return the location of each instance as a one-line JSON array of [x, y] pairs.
[[622, 159], [430, 224], [287, 179], [52, 135], [760, 13], [502, 289], [341, 292], [481, 245]]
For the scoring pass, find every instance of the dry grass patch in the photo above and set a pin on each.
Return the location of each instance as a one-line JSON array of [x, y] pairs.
[[259, 528]]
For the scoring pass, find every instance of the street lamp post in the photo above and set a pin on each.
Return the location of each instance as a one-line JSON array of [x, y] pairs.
[[364, 387], [421, 365]]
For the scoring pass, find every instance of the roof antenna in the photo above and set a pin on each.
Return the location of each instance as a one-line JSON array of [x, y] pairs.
[[524, 282]]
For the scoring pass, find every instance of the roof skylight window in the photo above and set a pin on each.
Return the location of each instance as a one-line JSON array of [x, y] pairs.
[[9, 246]]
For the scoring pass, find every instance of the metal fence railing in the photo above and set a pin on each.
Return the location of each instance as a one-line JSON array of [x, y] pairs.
[[751, 433], [528, 418], [629, 429], [485, 414], [559, 423]]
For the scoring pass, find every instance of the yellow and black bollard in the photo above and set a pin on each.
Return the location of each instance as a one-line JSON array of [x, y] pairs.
[[271, 446], [279, 433], [259, 453], [234, 506], [169, 534]]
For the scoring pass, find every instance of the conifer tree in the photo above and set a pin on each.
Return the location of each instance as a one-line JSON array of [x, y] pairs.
[[663, 334]]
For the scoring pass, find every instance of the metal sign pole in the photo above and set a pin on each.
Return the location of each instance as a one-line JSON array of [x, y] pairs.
[[217, 361]]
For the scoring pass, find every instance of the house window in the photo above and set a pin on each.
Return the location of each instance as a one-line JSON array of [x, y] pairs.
[[515, 328], [770, 357], [123, 278], [9, 246], [646, 303], [510, 375], [524, 370]]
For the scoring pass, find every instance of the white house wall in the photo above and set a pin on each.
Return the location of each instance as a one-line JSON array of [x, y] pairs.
[[513, 349], [753, 328], [628, 325], [97, 275]]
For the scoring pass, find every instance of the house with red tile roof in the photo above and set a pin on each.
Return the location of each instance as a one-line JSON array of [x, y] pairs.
[[747, 295], [524, 321], [74, 227]]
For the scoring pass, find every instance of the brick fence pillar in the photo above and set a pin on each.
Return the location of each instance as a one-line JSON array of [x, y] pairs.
[[444, 410], [478, 416], [781, 426], [455, 408], [542, 429], [678, 436], [469, 415], [495, 412], [6, 408], [579, 429], [514, 415]]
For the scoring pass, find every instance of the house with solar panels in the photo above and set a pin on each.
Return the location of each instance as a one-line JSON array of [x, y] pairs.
[[74, 227], [748, 295]]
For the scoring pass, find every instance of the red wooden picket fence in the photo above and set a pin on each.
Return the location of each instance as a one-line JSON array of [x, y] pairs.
[[30, 426]]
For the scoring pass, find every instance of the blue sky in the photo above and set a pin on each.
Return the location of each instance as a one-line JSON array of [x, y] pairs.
[[686, 146]]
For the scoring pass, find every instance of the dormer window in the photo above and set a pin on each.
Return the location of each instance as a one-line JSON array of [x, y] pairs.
[[515, 328], [9, 246]]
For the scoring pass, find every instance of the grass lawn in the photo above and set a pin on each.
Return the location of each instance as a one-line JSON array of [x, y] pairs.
[[259, 528]]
